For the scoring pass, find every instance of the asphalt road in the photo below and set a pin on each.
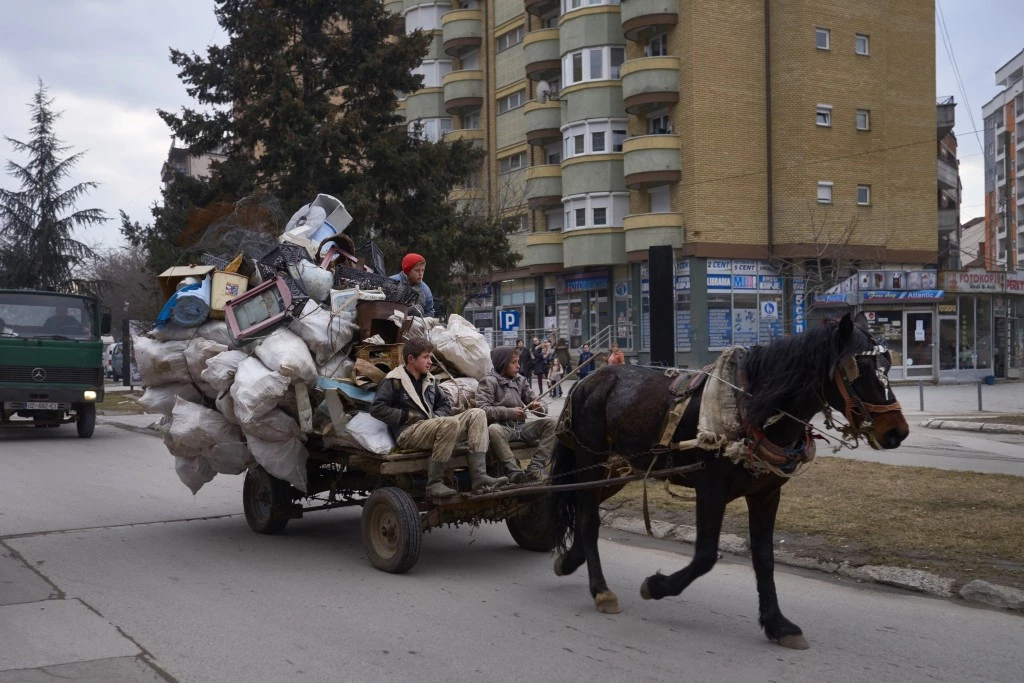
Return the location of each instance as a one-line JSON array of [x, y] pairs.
[[111, 570]]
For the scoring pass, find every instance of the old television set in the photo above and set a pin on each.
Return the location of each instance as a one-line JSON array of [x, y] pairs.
[[258, 310]]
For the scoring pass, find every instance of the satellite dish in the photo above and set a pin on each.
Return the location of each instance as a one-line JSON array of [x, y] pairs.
[[543, 91]]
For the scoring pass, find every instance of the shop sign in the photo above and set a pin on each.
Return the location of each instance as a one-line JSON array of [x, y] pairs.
[[973, 282], [799, 286], [720, 282], [585, 283], [744, 267], [947, 309], [834, 298], [769, 283], [920, 295], [682, 283], [744, 282], [1015, 283], [719, 267]]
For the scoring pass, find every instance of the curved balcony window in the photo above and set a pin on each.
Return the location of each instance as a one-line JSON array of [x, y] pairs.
[[595, 210], [595, 136], [426, 17], [433, 71], [570, 5], [592, 64], [431, 130]]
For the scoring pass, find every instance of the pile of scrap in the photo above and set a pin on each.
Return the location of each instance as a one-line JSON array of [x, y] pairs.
[[251, 356]]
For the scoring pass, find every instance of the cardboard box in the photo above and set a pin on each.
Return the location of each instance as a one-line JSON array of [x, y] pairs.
[[169, 279], [226, 286]]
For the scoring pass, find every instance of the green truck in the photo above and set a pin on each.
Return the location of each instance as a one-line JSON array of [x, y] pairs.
[[51, 359]]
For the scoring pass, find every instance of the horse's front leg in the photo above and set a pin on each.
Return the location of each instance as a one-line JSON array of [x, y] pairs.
[[588, 525], [710, 511], [761, 509]]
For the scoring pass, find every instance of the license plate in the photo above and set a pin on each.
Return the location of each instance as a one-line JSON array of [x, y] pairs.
[[35, 405]]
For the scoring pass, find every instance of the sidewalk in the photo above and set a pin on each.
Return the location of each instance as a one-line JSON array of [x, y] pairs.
[[960, 399]]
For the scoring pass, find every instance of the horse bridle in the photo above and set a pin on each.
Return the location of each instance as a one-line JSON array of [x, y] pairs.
[[852, 402]]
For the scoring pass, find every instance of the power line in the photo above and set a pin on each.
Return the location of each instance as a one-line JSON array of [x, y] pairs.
[[947, 43]]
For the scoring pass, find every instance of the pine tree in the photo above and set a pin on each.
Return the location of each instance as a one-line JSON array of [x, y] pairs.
[[38, 249], [302, 99]]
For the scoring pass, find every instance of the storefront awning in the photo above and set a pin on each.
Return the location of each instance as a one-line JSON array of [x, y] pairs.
[[887, 296], [840, 298]]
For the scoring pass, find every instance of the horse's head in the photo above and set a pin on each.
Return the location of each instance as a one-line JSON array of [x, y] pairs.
[[859, 385]]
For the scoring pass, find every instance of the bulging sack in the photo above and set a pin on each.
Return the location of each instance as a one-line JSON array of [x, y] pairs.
[[370, 433], [194, 472], [256, 390], [229, 458], [275, 426], [196, 427], [338, 366], [161, 362], [323, 332], [161, 399], [283, 459], [220, 369], [462, 347], [461, 392], [198, 352], [285, 352]]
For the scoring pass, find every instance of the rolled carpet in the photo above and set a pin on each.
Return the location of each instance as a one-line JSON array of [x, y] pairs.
[[193, 306]]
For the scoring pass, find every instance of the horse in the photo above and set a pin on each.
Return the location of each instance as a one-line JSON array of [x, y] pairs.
[[619, 411]]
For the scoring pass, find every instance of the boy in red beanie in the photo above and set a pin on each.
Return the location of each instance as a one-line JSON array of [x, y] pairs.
[[413, 267]]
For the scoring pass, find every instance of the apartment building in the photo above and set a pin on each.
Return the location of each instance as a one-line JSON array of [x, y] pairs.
[[1004, 169], [180, 161], [751, 137]]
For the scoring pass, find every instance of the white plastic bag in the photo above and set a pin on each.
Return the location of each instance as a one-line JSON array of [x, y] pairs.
[[217, 330], [274, 426], [229, 458], [172, 331], [194, 472], [338, 366], [220, 369], [286, 353], [196, 427], [461, 392], [226, 406], [199, 351], [462, 347], [283, 459], [160, 362], [370, 433], [161, 399], [324, 333], [177, 450], [256, 390]]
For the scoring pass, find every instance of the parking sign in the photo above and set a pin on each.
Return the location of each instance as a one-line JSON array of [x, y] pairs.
[[510, 320]]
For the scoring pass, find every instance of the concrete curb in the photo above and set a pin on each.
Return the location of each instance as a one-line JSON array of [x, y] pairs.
[[962, 425], [992, 595]]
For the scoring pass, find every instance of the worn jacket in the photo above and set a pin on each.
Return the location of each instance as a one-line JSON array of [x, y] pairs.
[[540, 362], [426, 296], [499, 396], [525, 361], [398, 405], [585, 367]]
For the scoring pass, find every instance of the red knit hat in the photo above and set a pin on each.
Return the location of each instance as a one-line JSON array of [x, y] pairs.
[[409, 262]]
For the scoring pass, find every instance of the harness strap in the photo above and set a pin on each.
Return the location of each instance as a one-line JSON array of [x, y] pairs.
[[852, 401]]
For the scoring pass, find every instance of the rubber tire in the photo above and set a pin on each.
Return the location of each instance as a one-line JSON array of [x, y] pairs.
[[86, 420], [532, 531], [260, 492], [391, 530]]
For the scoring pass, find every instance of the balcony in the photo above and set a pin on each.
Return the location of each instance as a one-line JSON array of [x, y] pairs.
[[462, 30], [643, 16], [947, 174], [425, 103], [593, 247], [539, 7], [541, 54], [469, 199], [543, 122], [592, 173], [394, 6], [463, 90], [651, 160], [945, 116], [472, 135], [544, 186], [542, 249], [947, 221], [645, 230], [650, 82]]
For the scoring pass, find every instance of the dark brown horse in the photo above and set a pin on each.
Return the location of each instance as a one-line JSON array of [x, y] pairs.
[[619, 410]]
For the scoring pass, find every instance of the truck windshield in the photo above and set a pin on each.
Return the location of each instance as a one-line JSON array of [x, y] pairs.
[[46, 316]]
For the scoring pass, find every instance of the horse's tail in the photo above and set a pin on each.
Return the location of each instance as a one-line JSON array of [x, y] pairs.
[[562, 504]]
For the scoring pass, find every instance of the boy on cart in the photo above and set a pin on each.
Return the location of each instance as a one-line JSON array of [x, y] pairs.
[[419, 416]]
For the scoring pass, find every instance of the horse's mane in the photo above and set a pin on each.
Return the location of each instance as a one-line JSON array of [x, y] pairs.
[[788, 373]]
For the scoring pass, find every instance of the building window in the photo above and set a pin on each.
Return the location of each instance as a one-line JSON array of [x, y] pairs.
[[861, 43], [591, 137], [471, 121], [433, 71], [863, 195], [659, 123], [824, 192], [425, 17], [823, 39], [521, 223], [513, 101], [660, 200], [511, 39], [601, 216], [431, 130], [553, 153], [512, 163], [600, 209], [657, 46], [581, 218], [569, 5], [555, 220], [602, 63], [863, 119], [824, 115]]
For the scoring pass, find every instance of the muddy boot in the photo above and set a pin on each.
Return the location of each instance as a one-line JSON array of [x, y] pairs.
[[435, 481], [478, 473], [537, 469], [514, 473]]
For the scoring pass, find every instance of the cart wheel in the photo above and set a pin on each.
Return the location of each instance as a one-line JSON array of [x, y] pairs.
[[86, 420], [531, 530], [391, 530], [261, 492]]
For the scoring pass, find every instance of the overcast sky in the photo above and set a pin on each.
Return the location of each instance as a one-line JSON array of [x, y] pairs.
[[105, 62]]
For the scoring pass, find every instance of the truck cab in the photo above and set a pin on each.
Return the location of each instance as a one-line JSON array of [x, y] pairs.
[[51, 359]]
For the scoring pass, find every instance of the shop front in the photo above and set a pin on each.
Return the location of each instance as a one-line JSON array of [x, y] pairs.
[[583, 305], [682, 291], [980, 326]]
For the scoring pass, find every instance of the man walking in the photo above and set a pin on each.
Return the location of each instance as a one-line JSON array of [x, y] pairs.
[[419, 416], [505, 397]]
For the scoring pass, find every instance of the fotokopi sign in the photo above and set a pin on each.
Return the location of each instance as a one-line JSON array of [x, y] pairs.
[[979, 282]]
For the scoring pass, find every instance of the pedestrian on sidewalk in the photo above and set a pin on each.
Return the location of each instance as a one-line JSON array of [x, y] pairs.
[[540, 365], [586, 365], [555, 376]]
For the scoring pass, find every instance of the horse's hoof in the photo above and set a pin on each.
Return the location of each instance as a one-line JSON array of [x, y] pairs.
[[645, 590], [607, 602], [794, 642], [559, 561]]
